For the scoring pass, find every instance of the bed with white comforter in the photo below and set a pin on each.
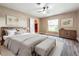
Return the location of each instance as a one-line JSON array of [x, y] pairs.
[[24, 45]]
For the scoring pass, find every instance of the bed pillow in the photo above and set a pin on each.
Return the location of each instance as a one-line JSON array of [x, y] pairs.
[[11, 32]]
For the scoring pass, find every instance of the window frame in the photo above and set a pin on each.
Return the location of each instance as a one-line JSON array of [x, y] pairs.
[[53, 25]]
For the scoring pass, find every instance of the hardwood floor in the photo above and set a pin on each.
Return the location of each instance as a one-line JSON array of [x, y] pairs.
[[71, 48]]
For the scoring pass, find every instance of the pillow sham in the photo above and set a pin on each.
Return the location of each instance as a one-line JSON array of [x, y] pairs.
[[11, 32]]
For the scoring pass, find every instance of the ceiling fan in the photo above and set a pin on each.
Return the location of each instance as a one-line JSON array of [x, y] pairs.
[[43, 9]]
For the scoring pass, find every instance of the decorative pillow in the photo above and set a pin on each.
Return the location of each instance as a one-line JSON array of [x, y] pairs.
[[11, 32], [21, 31]]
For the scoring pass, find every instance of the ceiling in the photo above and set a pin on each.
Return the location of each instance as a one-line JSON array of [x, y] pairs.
[[33, 9]]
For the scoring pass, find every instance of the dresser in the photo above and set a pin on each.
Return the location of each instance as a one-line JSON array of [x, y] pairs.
[[69, 34]]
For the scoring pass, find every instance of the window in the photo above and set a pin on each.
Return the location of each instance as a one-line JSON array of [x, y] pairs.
[[53, 25]]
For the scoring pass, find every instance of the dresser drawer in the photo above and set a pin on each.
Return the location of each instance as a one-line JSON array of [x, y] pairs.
[[71, 34]]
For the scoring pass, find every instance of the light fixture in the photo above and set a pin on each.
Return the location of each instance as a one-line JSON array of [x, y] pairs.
[[43, 8], [44, 12]]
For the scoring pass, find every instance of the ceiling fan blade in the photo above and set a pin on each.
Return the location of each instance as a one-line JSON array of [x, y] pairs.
[[40, 5], [41, 10], [45, 9]]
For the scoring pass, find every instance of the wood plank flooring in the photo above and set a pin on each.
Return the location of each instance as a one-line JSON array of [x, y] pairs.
[[71, 48]]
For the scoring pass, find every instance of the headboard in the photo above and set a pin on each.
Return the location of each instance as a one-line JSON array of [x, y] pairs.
[[12, 27], [3, 32]]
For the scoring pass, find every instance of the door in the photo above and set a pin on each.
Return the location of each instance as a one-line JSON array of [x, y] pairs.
[[36, 28]]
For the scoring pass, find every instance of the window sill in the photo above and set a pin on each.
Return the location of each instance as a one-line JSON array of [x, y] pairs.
[[53, 32]]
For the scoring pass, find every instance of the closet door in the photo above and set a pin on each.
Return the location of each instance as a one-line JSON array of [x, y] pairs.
[[36, 26]]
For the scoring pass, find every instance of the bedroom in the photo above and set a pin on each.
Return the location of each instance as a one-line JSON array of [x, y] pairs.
[[40, 29]]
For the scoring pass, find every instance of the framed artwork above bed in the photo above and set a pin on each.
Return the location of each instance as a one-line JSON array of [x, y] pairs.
[[12, 21]]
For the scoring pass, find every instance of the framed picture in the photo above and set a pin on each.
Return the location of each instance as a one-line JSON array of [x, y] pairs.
[[12, 21], [68, 22]]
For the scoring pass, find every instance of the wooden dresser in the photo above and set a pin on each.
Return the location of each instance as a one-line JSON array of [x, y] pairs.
[[69, 34]]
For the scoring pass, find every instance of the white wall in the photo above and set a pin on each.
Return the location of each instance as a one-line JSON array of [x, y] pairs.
[[2, 21], [4, 12], [22, 22]]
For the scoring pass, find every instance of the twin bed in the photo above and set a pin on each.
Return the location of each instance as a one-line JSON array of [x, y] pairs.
[[28, 44]]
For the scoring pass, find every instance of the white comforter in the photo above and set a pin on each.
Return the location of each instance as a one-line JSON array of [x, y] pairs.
[[22, 44], [29, 45], [16, 37]]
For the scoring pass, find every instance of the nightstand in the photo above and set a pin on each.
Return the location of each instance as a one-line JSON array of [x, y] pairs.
[[0, 40]]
